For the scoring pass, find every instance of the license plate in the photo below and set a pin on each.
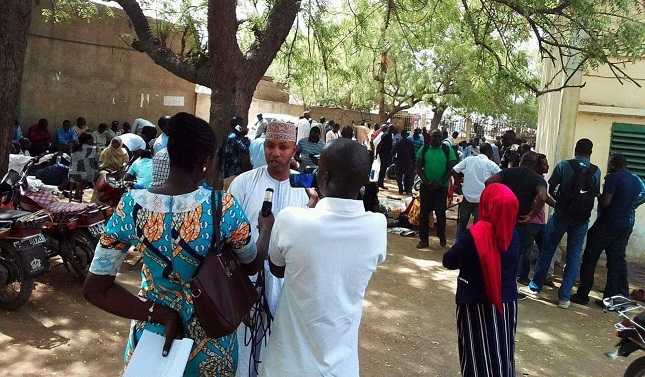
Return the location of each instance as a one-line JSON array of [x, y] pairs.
[[29, 242], [96, 230]]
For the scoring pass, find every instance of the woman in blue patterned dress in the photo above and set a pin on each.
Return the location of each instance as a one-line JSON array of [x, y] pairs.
[[172, 227]]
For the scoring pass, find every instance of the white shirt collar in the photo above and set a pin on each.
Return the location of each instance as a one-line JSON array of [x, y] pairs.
[[341, 205]]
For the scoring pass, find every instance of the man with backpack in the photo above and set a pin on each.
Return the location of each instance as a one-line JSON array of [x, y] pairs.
[[434, 166], [622, 193], [574, 185]]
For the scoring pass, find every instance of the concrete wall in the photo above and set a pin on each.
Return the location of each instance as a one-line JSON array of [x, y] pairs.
[[85, 69], [589, 113], [344, 117]]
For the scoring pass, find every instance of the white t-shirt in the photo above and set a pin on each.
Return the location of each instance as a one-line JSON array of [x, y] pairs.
[[331, 135], [303, 128], [329, 253], [101, 139], [139, 124], [476, 169], [248, 188], [133, 142]]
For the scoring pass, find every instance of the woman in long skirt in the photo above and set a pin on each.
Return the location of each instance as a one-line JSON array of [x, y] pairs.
[[487, 256]]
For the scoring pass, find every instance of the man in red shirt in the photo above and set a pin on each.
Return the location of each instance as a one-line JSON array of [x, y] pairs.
[[40, 138]]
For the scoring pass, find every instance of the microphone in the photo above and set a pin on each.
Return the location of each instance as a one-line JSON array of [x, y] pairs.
[[267, 204]]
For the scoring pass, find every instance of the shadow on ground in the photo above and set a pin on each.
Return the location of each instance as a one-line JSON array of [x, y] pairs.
[[409, 326], [58, 332]]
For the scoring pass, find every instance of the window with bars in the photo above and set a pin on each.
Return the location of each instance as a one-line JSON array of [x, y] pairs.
[[629, 139]]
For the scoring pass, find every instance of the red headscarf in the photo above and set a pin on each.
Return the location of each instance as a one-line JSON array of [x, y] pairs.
[[498, 208]]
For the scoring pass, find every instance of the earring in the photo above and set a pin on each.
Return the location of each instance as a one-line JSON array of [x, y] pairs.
[[204, 168]]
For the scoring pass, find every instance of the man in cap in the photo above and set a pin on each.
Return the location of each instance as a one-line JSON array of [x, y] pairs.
[[249, 188], [304, 125]]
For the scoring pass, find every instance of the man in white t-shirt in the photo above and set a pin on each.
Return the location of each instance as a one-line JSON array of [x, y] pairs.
[[327, 262], [248, 188], [332, 134], [304, 125], [133, 143], [476, 170], [260, 125]]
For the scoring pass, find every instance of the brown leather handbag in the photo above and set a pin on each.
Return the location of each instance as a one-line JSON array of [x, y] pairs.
[[222, 292]]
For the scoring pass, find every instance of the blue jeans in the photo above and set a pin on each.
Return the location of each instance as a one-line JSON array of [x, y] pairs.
[[528, 234], [466, 208], [555, 229]]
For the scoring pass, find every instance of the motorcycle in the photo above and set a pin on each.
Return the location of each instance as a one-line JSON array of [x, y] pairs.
[[22, 255], [630, 330], [110, 188], [74, 229]]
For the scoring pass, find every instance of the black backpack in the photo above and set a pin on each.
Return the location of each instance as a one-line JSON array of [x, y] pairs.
[[581, 196]]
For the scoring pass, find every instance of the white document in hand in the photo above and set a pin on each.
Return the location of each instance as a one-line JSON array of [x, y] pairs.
[[147, 360]]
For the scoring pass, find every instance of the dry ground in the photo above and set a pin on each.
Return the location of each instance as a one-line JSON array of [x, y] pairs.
[[408, 326]]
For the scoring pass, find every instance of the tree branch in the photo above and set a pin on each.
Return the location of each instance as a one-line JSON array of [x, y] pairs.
[[268, 41], [161, 55]]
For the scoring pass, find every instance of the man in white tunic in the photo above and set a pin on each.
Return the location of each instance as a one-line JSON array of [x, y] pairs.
[[327, 261], [249, 188]]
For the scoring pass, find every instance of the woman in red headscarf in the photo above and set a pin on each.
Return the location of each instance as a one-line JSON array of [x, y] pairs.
[[487, 256]]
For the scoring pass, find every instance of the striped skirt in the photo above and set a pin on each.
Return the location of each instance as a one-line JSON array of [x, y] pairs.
[[486, 339]]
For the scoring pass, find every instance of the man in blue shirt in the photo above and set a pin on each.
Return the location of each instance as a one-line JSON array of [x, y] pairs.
[[234, 152], [622, 193], [16, 132], [65, 136], [417, 139], [561, 222]]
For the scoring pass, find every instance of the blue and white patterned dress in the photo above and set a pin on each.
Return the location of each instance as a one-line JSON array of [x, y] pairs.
[[172, 232]]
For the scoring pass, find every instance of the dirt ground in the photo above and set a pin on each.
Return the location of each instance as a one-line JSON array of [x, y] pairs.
[[408, 326]]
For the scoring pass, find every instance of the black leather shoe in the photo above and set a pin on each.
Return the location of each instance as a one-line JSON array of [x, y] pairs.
[[579, 299]]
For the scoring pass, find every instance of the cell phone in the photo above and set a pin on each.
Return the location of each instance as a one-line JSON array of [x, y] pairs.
[[304, 180]]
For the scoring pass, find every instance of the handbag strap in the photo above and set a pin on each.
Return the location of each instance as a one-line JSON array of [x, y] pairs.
[[216, 211]]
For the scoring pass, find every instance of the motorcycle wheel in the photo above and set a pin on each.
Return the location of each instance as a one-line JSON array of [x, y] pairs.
[[18, 290], [83, 252], [636, 368]]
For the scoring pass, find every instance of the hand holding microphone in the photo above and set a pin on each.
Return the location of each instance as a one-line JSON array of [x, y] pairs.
[[265, 218]]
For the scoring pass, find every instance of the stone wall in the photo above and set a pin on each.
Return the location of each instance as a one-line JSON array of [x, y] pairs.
[[85, 69]]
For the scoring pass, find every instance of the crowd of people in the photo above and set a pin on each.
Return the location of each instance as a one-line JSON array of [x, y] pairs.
[[84, 156], [508, 203], [310, 256], [288, 253]]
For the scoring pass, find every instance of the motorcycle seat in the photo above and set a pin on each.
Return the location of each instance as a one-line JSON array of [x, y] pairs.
[[11, 215], [59, 211], [65, 208]]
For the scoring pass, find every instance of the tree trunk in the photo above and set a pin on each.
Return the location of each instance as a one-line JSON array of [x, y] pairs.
[[15, 18], [436, 119], [380, 79], [227, 101]]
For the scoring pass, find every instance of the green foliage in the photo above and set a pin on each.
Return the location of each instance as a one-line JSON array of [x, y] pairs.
[[63, 11], [428, 55]]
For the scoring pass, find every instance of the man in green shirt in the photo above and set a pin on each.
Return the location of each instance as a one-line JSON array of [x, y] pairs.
[[434, 164]]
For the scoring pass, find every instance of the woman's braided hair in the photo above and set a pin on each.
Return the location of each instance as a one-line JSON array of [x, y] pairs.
[[190, 141]]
